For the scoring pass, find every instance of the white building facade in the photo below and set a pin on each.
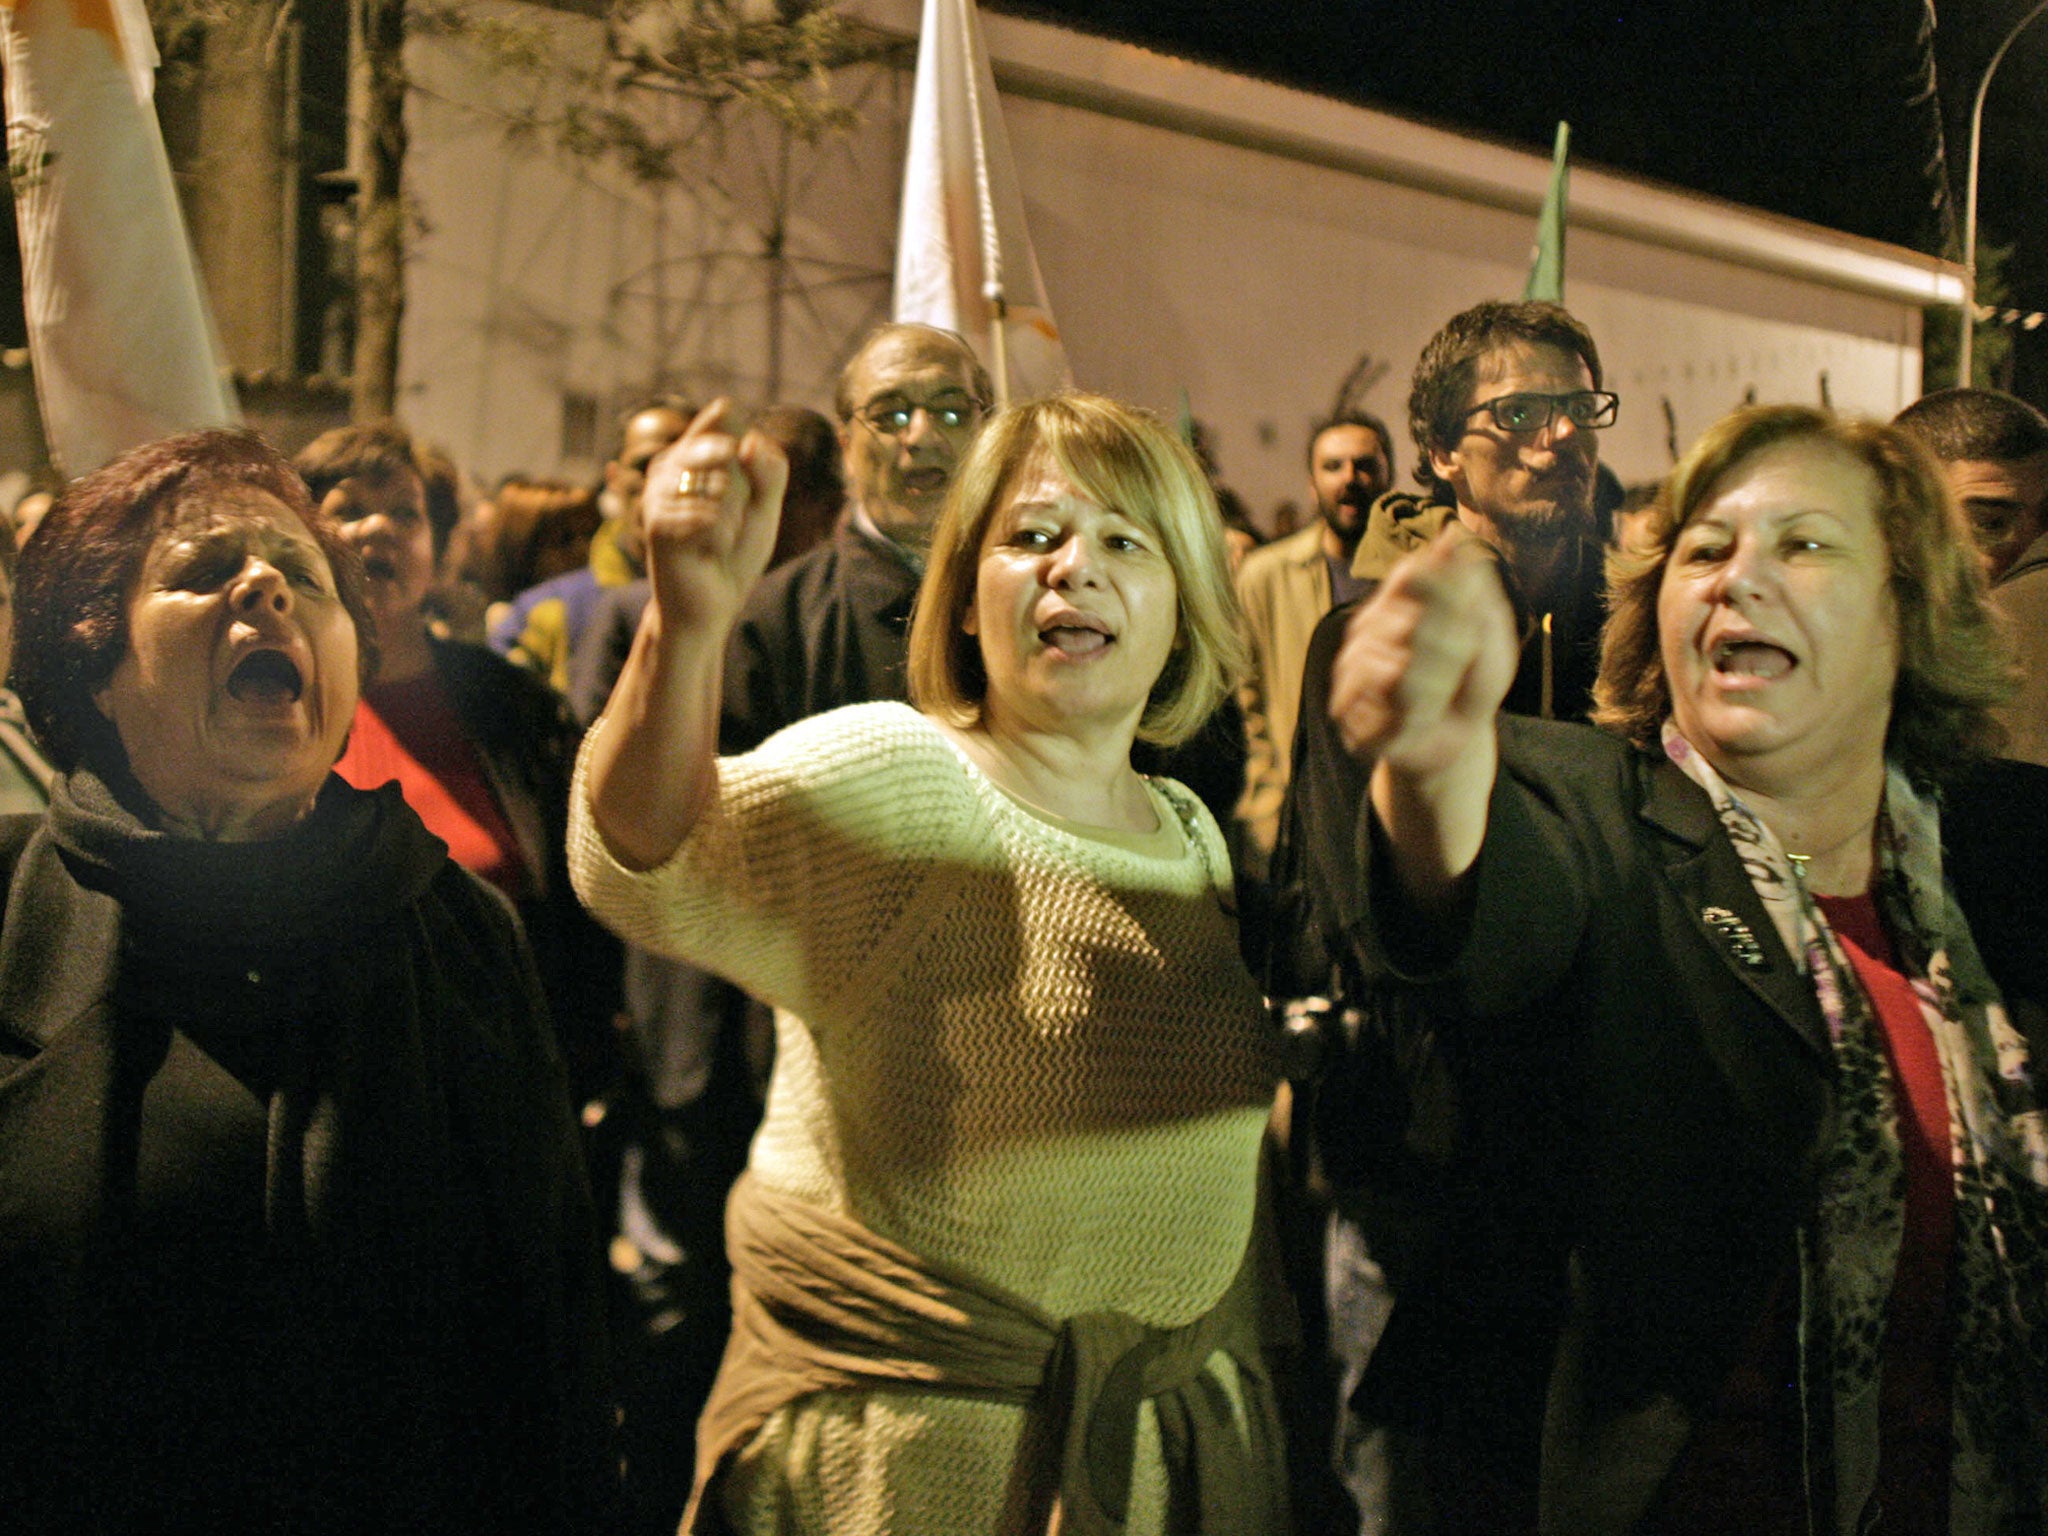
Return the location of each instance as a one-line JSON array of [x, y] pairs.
[[1202, 235]]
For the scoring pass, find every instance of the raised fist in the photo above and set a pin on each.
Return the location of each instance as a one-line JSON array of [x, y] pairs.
[[1427, 660], [710, 511]]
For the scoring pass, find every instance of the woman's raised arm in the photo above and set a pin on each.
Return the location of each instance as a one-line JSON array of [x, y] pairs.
[[711, 508], [1413, 691]]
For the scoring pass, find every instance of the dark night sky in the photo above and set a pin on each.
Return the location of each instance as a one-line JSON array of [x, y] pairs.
[[1818, 109]]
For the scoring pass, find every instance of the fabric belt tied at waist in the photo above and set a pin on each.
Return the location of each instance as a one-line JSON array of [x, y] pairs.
[[820, 1302]]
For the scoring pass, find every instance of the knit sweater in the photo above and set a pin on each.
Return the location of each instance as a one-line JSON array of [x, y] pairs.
[[1006, 1046]]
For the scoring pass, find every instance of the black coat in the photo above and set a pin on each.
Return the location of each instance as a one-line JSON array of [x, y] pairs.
[[526, 741], [829, 628], [600, 656], [1314, 875], [1653, 1074], [294, 1233]]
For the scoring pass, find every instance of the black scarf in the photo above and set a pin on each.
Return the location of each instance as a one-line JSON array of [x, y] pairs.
[[348, 867]]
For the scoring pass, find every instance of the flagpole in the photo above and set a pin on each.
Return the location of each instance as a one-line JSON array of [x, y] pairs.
[[999, 340], [1964, 352], [991, 238]]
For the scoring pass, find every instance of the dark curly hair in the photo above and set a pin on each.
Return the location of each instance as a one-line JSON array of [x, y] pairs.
[[78, 574], [1955, 667], [1448, 369]]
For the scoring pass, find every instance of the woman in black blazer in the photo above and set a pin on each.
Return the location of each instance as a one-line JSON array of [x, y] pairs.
[[1762, 944]]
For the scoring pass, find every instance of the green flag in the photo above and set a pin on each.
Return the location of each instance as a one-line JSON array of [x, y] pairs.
[[1546, 262]]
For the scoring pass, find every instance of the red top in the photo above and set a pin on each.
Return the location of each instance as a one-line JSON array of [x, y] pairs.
[[1913, 1411], [1745, 1459], [409, 733]]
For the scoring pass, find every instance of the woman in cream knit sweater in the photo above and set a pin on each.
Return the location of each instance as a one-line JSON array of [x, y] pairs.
[[998, 1259]]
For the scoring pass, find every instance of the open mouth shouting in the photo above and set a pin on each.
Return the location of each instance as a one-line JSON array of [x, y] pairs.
[[1747, 657], [1076, 634], [266, 677]]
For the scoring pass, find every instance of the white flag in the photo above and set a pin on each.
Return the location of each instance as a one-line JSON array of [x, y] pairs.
[[962, 248], [117, 328]]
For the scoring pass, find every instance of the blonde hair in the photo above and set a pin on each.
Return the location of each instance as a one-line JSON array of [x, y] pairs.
[[1121, 458], [1955, 667]]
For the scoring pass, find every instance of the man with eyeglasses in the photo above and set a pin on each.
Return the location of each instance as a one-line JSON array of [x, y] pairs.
[[1443, 1298], [832, 627]]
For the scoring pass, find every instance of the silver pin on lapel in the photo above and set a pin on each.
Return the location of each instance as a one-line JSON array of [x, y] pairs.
[[1736, 934]]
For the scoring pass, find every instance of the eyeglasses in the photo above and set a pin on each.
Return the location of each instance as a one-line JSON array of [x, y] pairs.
[[1589, 408], [894, 420]]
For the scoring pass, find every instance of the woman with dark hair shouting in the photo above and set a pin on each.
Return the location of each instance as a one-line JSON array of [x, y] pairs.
[[294, 1234]]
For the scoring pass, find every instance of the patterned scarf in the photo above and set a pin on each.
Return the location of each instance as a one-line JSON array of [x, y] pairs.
[[1998, 1138]]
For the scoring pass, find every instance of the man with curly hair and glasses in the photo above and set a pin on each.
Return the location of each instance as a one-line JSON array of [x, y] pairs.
[[1506, 409]]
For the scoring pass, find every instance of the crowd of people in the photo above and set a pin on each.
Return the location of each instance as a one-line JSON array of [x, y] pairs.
[[901, 975]]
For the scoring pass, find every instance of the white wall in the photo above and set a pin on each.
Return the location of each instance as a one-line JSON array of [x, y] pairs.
[[533, 275], [1255, 282], [1248, 272]]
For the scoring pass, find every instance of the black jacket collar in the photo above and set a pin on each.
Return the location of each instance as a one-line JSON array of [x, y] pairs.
[[1705, 870]]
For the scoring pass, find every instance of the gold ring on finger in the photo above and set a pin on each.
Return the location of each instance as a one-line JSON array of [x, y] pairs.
[[706, 483]]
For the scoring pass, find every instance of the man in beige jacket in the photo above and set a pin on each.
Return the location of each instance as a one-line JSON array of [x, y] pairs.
[[1287, 586]]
